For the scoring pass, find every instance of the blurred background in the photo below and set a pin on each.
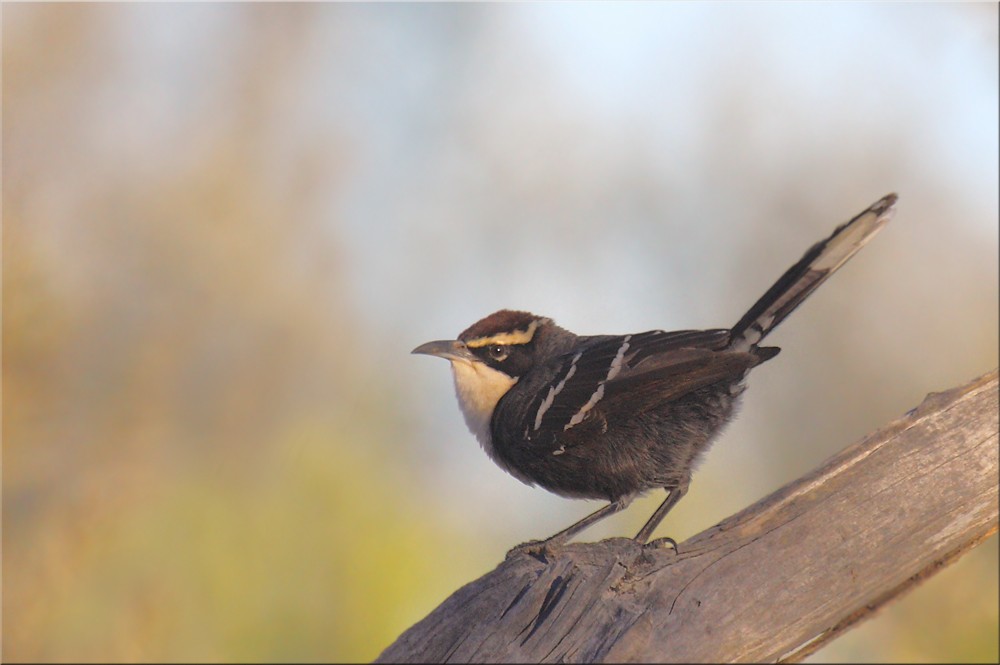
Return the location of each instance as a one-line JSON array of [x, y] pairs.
[[226, 226]]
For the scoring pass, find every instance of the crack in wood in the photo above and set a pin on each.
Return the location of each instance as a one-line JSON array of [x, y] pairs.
[[552, 597], [518, 597]]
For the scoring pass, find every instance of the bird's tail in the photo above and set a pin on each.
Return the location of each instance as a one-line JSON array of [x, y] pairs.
[[821, 261]]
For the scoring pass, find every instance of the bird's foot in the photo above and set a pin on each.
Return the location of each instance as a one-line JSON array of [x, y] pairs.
[[661, 543], [542, 550]]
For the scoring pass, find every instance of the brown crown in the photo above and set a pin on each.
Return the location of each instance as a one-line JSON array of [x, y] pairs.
[[505, 326]]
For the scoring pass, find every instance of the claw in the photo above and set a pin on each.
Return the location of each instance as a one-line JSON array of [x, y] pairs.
[[660, 543]]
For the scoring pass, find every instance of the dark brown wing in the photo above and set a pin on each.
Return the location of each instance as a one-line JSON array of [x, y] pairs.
[[688, 371], [629, 372]]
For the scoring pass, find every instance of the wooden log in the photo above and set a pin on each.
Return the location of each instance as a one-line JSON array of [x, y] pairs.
[[773, 582]]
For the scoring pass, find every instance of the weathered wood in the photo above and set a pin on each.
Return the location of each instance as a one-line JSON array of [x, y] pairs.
[[776, 580]]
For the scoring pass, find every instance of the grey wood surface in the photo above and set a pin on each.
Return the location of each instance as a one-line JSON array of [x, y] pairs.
[[775, 581]]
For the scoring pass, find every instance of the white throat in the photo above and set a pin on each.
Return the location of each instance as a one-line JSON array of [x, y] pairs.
[[479, 388]]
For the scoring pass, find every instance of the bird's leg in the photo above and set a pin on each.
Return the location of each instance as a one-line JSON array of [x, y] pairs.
[[540, 547], [673, 497]]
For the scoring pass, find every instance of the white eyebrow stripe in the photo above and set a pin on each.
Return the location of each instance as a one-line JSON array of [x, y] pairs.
[[616, 367], [555, 390], [513, 337]]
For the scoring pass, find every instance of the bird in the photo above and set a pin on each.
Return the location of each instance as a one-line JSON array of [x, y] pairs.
[[613, 417]]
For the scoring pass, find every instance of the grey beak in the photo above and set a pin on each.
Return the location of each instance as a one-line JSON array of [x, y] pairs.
[[446, 348]]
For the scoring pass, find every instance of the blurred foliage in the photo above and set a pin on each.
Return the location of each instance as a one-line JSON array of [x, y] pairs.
[[194, 462], [292, 566], [210, 453]]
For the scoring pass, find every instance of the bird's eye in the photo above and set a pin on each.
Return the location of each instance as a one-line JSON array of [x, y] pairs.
[[498, 352]]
